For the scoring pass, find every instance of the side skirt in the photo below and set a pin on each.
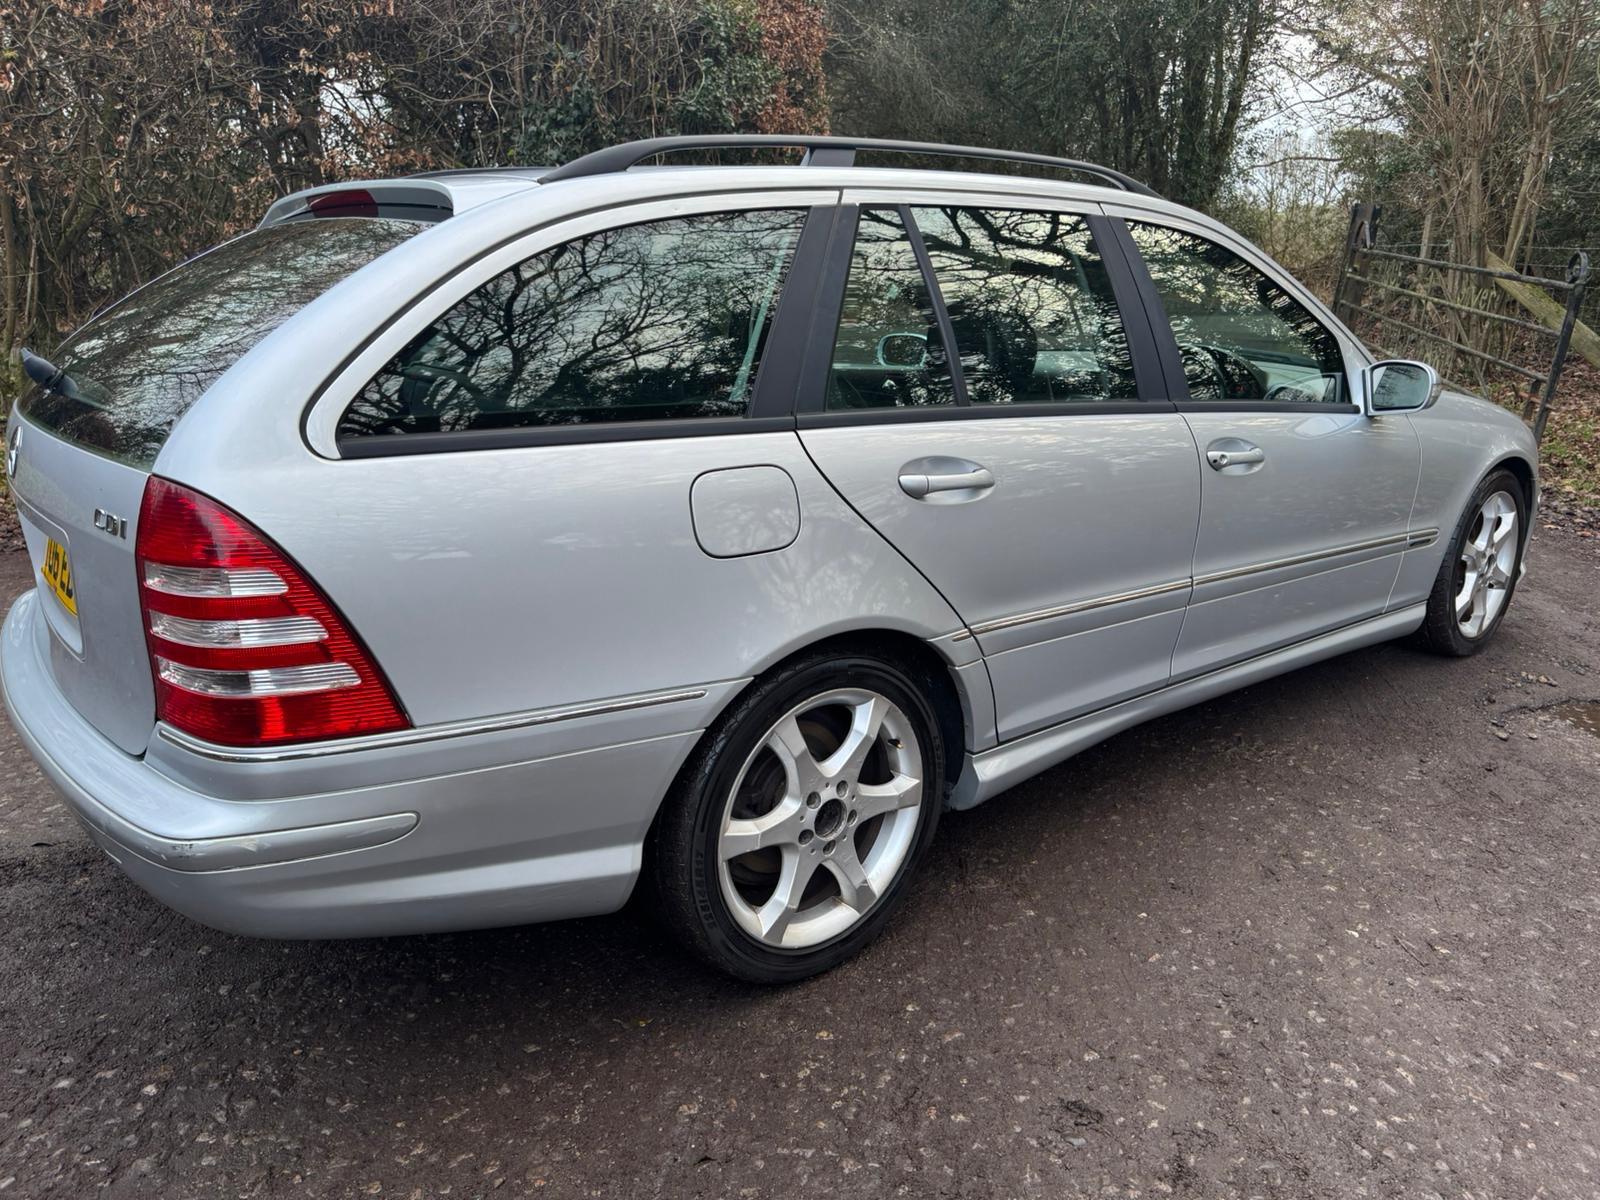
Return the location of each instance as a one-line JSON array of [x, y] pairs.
[[991, 772]]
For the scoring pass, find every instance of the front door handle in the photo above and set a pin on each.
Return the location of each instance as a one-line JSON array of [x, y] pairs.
[[918, 484], [1234, 454]]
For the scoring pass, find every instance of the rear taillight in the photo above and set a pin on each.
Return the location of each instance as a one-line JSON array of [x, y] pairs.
[[245, 650]]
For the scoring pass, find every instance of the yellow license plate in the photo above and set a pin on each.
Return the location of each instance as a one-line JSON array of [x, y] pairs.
[[57, 572]]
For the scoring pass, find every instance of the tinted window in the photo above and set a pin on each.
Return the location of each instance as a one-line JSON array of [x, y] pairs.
[[1241, 335], [888, 353], [657, 321], [139, 366], [1030, 304]]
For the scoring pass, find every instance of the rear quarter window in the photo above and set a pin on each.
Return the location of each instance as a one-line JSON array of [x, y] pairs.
[[663, 320], [140, 365]]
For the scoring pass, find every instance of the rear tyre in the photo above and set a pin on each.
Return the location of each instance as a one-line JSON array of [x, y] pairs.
[[1476, 581], [790, 835]]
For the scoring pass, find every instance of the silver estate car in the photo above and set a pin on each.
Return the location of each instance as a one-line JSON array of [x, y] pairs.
[[475, 548]]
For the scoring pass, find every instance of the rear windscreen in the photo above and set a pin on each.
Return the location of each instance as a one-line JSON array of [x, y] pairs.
[[134, 370]]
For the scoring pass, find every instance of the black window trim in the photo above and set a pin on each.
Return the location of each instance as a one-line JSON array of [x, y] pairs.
[[390, 445], [1143, 345], [941, 314], [978, 412], [811, 386], [793, 319], [1171, 362]]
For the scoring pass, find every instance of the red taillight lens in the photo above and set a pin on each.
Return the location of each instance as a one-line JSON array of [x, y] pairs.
[[349, 202], [245, 650]]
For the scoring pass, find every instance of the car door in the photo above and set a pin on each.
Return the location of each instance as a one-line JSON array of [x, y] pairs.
[[1305, 500], [976, 394]]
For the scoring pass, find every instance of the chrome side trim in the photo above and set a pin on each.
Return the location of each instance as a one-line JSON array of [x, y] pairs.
[[269, 848], [1067, 610], [427, 733], [1398, 540], [1421, 538], [1412, 540]]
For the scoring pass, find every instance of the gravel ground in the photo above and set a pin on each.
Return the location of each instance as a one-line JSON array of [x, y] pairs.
[[1332, 936]]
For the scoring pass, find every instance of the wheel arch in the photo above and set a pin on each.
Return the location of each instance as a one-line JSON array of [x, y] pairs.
[[960, 714], [1527, 475], [946, 694]]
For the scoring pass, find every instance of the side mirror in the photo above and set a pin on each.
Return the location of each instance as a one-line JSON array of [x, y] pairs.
[[909, 350], [1400, 385]]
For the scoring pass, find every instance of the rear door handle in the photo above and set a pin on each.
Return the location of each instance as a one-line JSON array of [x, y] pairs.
[[1231, 457], [920, 484]]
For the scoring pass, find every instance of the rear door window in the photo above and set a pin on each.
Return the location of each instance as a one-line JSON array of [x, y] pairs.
[[1241, 335], [137, 368], [658, 321], [888, 351], [1030, 304]]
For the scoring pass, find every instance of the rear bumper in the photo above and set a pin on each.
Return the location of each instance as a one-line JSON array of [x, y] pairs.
[[490, 842]]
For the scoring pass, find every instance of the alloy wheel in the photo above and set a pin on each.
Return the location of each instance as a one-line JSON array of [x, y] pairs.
[[820, 819], [1488, 556]]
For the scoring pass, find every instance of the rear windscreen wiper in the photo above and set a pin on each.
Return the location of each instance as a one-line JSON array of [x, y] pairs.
[[53, 379]]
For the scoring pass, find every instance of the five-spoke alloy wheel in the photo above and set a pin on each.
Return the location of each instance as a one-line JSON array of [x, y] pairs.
[[1484, 565], [821, 818], [1479, 572], [800, 816]]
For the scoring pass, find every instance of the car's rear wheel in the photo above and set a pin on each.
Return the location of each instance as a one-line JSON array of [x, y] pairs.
[[1479, 573], [794, 827]]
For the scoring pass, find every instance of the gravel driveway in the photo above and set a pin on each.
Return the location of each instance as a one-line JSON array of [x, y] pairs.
[[1335, 935]]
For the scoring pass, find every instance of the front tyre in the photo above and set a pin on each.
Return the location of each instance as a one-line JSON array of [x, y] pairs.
[[1479, 573], [793, 829]]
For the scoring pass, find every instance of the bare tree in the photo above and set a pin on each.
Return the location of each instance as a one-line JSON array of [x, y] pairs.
[[1479, 89], [134, 133]]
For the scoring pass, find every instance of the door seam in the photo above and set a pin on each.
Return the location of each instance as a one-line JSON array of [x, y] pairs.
[[964, 631], [1411, 516], [1194, 548]]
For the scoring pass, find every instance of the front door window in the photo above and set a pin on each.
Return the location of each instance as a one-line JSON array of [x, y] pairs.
[[1242, 336]]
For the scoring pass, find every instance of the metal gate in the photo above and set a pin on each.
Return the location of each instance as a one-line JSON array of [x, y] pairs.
[[1395, 300]]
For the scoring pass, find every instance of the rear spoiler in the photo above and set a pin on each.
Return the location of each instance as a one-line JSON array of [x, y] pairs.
[[406, 200]]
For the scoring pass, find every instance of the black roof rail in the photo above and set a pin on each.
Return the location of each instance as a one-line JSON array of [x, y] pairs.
[[820, 152], [449, 172]]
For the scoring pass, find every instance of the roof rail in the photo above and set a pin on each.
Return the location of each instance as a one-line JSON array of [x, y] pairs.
[[452, 172], [820, 152]]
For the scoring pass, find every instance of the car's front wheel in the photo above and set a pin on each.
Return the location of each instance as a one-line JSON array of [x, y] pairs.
[[794, 827], [1479, 573]]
